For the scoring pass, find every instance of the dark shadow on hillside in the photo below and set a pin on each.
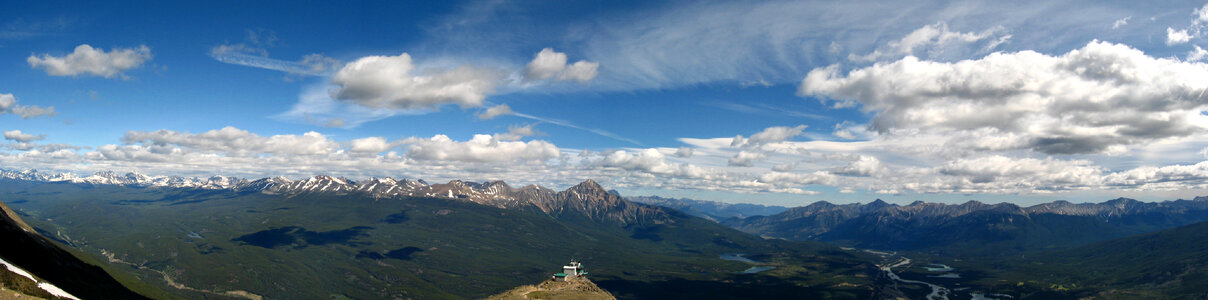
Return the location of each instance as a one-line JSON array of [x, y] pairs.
[[403, 253], [396, 218], [301, 238], [647, 233]]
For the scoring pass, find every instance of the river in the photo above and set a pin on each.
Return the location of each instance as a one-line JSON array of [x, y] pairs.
[[739, 257], [937, 292]]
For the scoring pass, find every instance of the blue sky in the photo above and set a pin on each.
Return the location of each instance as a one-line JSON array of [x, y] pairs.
[[939, 101]]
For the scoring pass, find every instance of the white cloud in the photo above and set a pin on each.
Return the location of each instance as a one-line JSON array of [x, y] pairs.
[[1199, 26], [1046, 173], [92, 61], [1172, 177], [9, 105], [1176, 37], [864, 165], [550, 64], [768, 135], [240, 54], [232, 141], [547, 64], [372, 145], [745, 158], [684, 152], [1120, 22], [495, 111], [1199, 54], [1086, 101], [17, 135], [814, 178], [481, 148], [581, 71], [936, 41], [516, 133], [651, 161], [394, 82]]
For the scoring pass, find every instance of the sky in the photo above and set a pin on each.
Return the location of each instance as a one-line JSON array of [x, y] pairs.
[[769, 102]]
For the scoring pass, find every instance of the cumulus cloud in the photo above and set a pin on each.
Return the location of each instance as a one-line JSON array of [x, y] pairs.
[[1046, 173], [1198, 27], [481, 148], [549, 64], [814, 178], [1176, 37], [652, 161], [394, 82], [371, 144], [233, 141], [864, 165], [768, 135], [745, 158], [495, 111], [1199, 54], [1089, 100], [1172, 177], [92, 61], [684, 152], [9, 105], [936, 41], [17, 135], [518, 132]]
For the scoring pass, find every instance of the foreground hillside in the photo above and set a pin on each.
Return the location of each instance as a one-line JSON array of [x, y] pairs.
[[387, 238], [59, 274]]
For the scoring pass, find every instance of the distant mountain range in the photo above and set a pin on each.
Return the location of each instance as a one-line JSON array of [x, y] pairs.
[[973, 227], [712, 210], [587, 198]]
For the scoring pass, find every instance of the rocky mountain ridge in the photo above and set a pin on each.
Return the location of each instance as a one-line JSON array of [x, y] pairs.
[[994, 227], [1108, 209]]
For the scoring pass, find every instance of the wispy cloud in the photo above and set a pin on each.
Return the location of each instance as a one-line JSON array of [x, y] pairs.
[[572, 125], [314, 64], [764, 109]]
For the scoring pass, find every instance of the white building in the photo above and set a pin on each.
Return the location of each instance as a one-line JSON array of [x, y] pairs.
[[572, 270]]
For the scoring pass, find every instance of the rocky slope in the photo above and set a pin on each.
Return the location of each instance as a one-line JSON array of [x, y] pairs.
[[59, 273]]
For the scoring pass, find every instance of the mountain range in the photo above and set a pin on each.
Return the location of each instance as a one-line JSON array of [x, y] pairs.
[[712, 210], [972, 227]]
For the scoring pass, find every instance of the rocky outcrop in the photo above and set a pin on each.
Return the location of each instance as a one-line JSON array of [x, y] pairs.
[[575, 288]]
